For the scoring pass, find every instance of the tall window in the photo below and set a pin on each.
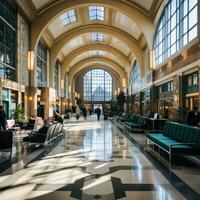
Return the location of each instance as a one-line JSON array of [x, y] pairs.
[[41, 65], [135, 77], [8, 19], [177, 27], [56, 76], [97, 85]]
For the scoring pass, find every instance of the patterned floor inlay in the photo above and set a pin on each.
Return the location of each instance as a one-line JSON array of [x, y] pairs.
[[93, 161]]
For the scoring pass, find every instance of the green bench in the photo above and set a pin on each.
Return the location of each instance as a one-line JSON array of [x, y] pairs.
[[135, 123], [176, 139]]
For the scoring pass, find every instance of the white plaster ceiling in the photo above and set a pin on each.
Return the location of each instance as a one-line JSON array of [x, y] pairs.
[[85, 39], [89, 54], [39, 3], [115, 42], [73, 44], [124, 23], [143, 3]]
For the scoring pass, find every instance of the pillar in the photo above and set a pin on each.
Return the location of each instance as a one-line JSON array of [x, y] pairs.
[[32, 102]]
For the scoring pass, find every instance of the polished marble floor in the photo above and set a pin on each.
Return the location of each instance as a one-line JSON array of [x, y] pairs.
[[93, 161]]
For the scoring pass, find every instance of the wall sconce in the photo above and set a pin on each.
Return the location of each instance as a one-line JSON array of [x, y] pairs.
[[78, 96], [30, 60], [30, 98], [70, 88], [152, 59], [38, 98], [62, 84], [124, 82], [115, 92], [75, 95], [118, 90]]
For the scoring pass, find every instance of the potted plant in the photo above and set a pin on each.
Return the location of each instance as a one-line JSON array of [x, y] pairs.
[[19, 115]]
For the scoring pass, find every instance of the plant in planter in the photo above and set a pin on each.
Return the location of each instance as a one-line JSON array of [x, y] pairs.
[[178, 115], [19, 115]]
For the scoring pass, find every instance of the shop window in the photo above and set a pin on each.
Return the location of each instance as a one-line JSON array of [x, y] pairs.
[[192, 83]]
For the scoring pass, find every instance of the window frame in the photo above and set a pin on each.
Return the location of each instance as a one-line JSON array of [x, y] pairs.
[[92, 80]]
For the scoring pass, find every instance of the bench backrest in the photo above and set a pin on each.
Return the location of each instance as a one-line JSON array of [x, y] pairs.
[[10, 123], [38, 123], [182, 132], [136, 119], [6, 138]]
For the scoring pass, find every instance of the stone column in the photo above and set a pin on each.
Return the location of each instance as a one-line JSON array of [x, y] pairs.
[[32, 102]]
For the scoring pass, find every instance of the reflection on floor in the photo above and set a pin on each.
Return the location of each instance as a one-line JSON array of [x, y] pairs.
[[93, 161]]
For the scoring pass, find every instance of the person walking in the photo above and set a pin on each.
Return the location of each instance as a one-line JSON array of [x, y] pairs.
[[84, 112], [2, 119], [98, 111], [90, 111], [77, 112]]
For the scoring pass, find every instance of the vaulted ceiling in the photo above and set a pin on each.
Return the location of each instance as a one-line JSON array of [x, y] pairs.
[[124, 30]]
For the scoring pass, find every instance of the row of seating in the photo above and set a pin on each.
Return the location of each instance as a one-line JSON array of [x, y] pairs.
[[176, 139], [133, 122], [48, 139], [53, 133]]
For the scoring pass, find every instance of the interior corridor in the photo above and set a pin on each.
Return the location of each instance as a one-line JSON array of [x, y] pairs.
[[93, 161]]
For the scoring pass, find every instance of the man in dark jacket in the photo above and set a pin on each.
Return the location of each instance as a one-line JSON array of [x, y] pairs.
[[40, 135], [98, 111], [193, 117], [2, 119]]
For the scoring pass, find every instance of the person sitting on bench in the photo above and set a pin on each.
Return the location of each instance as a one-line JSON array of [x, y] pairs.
[[40, 135]]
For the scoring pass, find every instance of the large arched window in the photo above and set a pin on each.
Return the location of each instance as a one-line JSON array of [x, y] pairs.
[[97, 85], [135, 81], [176, 28]]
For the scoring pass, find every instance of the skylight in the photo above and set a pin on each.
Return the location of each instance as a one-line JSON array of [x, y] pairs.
[[96, 13], [97, 37], [68, 17], [97, 53]]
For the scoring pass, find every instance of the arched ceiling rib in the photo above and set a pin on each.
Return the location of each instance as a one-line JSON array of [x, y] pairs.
[[140, 4], [107, 68], [95, 62], [85, 40], [99, 47], [127, 39]]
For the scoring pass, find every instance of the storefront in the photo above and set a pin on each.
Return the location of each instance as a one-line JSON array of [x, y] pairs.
[[190, 91], [136, 104], [165, 100], [145, 97], [128, 103], [9, 100]]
